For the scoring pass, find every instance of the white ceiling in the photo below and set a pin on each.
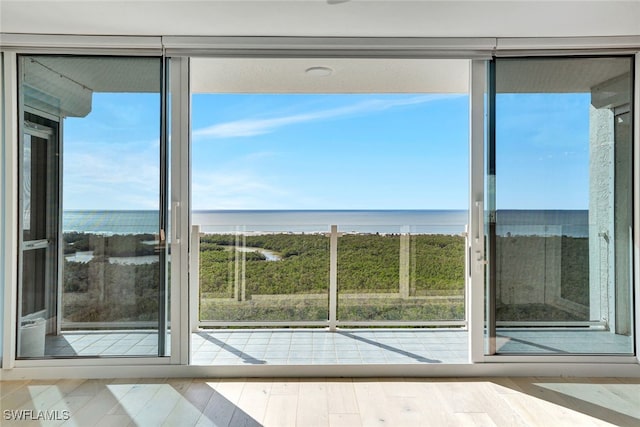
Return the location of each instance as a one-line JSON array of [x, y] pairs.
[[324, 18], [327, 18]]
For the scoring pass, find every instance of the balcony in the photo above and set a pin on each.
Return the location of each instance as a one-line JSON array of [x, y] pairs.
[[277, 295]]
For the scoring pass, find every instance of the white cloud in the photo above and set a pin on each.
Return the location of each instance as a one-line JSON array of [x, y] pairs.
[[235, 190], [111, 176], [253, 127]]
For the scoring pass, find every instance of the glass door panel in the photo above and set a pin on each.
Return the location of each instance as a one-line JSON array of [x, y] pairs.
[[559, 235], [111, 261], [38, 239], [261, 273]]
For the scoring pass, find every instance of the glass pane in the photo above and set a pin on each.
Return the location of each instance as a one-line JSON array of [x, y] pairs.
[[409, 273], [34, 187], [262, 273], [33, 281], [563, 206], [112, 287]]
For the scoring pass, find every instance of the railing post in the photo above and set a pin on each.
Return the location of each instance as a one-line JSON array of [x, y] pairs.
[[333, 277], [194, 279], [236, 268], [243, 279], [405, 240]]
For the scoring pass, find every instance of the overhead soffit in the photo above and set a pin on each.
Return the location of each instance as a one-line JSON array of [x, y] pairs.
[[104, 74], [355, 75], [553, 75], [546, 75], [348, 75]]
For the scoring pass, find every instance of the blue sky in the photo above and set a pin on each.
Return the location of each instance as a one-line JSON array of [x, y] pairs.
[[542, 151], [329, 151], [349, 151]]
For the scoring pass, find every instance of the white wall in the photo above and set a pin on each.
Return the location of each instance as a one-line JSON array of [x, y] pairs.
[[2, 258]]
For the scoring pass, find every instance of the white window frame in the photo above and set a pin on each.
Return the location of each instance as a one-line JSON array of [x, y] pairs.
[[179, 49]]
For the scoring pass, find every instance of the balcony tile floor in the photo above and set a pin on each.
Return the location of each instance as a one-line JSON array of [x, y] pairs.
[[319, 347], [346, 346]]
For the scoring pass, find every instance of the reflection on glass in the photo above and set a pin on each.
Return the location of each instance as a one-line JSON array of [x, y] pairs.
[[403, 273], [109, 256], [563, 202], [253, 275], [33, 281]]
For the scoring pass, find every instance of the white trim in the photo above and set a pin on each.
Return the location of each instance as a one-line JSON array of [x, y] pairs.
[[9, 209], [417, 47], [194, 279], [475, 239], [2, 202], [563, 358], [180, 202], [567, 43], [74, 43], [3, 99], [593, 365], [406, 47], [88, 361], [576, 369]]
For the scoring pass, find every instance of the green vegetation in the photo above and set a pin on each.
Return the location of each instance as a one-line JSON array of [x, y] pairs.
[[98, 291], [118, 245], [244, 286], [380, 277], [303, 267]]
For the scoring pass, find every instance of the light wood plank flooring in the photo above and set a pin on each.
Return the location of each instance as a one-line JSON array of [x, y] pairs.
[[323, 402]]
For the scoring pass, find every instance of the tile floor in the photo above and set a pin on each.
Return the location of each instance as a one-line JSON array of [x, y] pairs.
[[562, 341], [104, 343], [347, 346], [364, 346]]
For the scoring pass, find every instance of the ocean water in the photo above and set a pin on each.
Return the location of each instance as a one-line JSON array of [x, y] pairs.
[[513, 222]]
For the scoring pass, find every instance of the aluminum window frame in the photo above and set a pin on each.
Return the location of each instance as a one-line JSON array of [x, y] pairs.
[[179, 49]]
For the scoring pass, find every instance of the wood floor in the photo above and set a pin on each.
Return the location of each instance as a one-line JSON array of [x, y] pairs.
[[323, 402]]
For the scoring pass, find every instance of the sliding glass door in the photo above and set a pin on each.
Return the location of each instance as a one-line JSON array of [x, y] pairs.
[[559, 168], [93, 256]]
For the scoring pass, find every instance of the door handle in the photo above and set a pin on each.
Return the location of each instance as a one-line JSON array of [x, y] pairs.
[[479, 217], [35, 244], [175, 222]]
